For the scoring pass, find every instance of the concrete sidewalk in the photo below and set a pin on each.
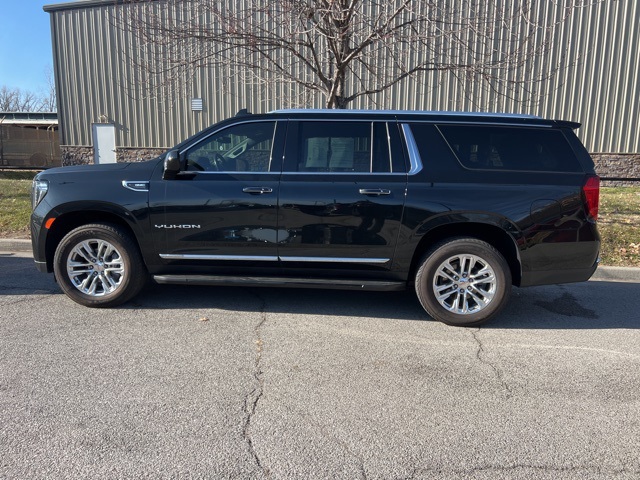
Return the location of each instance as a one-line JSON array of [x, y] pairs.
[[610, 274]]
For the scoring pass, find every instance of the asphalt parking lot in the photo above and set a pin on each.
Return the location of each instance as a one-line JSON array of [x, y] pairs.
[[195, 382]]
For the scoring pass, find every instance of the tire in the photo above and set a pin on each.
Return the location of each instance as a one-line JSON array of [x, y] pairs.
[[463, 282], [99, 265]]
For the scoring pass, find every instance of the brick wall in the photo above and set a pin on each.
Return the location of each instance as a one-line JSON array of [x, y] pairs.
[[617, 166], [84, 155], [76, 155], [138, 154]]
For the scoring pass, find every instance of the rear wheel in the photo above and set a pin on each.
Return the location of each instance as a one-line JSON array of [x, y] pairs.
[[463, 281], [99, 265]]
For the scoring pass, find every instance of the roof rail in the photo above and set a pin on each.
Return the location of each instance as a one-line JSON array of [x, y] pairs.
[[406, 112]]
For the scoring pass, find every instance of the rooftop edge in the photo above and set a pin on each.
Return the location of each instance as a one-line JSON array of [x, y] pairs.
[[54, 7]]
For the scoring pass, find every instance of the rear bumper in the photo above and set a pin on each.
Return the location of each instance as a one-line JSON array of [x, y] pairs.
[[553, 263], [549, 277]]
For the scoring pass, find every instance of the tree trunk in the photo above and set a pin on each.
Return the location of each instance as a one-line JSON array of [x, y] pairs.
[[337, 98]]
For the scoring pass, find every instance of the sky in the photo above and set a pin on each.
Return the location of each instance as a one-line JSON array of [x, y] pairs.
[[25, 44]]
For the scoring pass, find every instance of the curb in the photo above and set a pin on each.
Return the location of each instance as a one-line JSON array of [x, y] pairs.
[[617, 274], [603, 273], [15, 245]]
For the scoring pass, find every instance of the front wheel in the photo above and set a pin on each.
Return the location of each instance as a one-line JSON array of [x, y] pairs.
[[463, 282], [99, 265]]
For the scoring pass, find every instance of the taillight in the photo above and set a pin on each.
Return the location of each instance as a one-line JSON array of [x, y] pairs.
[[591, 190]]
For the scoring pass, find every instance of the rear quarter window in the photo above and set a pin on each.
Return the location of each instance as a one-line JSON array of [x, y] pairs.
[[511, 148]]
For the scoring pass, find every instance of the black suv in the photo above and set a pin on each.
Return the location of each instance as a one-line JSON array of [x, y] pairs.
[[458, 206]]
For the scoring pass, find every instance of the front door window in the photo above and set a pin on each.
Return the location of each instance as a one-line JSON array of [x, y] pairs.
[[241, 148]]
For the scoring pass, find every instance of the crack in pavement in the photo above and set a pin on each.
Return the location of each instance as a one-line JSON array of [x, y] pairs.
[[496, 371], [252, 399], [343, 444]]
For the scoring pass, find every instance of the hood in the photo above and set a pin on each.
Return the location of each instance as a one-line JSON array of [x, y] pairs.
[[107, 167]]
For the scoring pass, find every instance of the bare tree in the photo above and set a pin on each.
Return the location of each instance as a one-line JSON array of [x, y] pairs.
[[48, 97], [346, 49], [16, 100], [7, 99]]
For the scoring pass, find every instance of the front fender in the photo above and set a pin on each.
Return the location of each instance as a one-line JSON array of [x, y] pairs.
[[65, 217]]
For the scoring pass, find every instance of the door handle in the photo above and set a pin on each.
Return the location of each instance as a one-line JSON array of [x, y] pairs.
[[375, 191], [257, 190]]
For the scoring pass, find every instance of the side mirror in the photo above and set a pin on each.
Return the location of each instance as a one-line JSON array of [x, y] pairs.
[[171, 165]]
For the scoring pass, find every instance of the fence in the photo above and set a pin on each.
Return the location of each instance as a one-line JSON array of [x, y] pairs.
[[29, 147]]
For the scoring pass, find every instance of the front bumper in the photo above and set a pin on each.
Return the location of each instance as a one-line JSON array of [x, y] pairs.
[[41, 266], [38, 243]]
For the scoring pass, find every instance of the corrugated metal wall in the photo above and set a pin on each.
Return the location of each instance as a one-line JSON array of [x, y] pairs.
[[600, 87]]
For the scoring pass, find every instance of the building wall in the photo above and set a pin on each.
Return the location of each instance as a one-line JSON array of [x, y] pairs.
[[600, 88]]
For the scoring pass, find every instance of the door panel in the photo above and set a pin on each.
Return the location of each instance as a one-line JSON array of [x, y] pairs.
[[341, 196], [326, 217], [214, 216], [223, 208]]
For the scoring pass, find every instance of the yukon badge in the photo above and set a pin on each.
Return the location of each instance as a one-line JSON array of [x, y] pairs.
[[186, 227]]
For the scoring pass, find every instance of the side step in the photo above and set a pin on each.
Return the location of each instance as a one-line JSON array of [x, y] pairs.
[[337, 284]]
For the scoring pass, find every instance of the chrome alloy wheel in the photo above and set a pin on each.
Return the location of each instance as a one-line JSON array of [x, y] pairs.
[[95, 267], [464, 284]]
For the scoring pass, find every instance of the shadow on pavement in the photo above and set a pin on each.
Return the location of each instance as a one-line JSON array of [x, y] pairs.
[[19, 276], [588, 305]]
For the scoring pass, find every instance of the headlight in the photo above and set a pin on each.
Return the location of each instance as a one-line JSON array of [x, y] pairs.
[[39, 189]]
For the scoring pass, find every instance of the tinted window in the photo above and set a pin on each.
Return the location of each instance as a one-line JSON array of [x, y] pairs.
[[342, 147], [511, 148], [434, 152], [239, 148]]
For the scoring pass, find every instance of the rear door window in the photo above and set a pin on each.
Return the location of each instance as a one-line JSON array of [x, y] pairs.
[[341, 147], [511, 148]]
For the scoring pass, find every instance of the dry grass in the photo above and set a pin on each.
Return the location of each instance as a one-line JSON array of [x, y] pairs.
[[619, 225], [15, 203]]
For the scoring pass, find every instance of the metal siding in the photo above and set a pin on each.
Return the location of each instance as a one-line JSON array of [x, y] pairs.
[[600, 87]]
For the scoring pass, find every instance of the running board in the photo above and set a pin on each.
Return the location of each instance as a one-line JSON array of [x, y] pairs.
[[337, 284]]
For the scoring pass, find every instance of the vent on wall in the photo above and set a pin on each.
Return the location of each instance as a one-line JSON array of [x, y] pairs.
[[196, 104]]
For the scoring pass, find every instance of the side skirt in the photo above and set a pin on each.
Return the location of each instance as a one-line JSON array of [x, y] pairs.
[[336, 284]]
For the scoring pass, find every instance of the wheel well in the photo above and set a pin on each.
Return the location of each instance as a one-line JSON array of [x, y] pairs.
[[491, 234], [67, 222]]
